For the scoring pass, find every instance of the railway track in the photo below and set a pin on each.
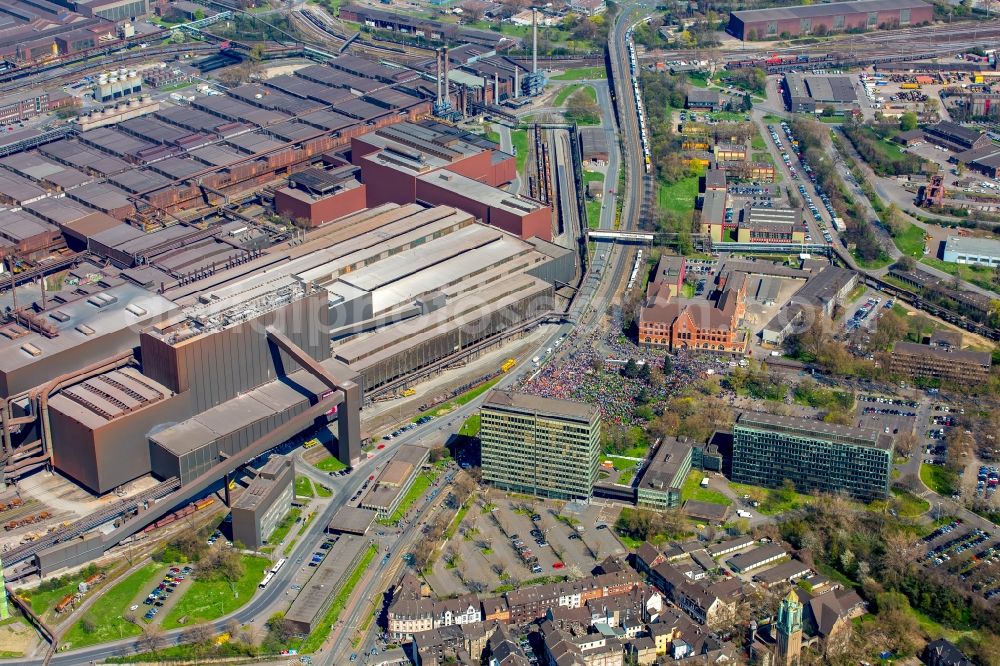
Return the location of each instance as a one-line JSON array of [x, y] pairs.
[[57, 72], [316, 24], [908, 42], [107, 514]]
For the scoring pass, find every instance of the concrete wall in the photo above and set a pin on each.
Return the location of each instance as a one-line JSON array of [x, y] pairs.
[[70, 554], [324, 209], [386, 184], [165, 463], [503, 172], [524, 225], [218, 366], [103, 459]]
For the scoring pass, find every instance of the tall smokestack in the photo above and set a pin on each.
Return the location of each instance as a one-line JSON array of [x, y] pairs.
[[517, 81], [437, 73], [534, 40], [447, 86], [496, 87]]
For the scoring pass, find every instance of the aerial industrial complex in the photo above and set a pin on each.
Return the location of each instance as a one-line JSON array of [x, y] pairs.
[[427, 332]]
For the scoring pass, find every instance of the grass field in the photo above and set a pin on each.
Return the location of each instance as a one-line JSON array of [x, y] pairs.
[[581, 73], [419, 487], [857, 293], [41, 601], [977, 275], [698, 79], [210, 599], [726, 116], [107, 612], [463, 399], [593, 205], [281, 531], [492, 134], [910, 506], [772, 501], [565, 92], [519, 138], [303, 486], [873, 264], [757, 142], [594, 213], [323, 491], [330, 464], [692, 490], [938, 479], [911, 241], [471, 426], [619, 462], [679, 196]]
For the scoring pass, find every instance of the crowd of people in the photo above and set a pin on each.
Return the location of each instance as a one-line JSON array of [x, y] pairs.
[[590, 368]]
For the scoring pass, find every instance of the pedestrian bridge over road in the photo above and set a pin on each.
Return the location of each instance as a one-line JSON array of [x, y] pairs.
[[636, 237]]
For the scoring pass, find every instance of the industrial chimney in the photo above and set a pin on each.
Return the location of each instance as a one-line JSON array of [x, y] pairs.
[[446, 83], [517, 81], [437, 74], [496, 87], [534, 40]]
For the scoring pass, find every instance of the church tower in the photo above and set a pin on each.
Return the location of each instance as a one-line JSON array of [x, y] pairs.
[[789, 634]]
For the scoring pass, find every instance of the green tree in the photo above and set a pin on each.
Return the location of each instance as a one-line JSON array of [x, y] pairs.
[[631, 369], [199, 14], [581, 108], [908, 121]]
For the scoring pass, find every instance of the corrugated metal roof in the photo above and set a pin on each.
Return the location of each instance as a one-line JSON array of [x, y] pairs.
[[826, 9]]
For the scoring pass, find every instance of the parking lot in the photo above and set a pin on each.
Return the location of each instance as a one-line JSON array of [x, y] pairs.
[[972, 555], [784, 140], [503, 541], [890, 415], [161, 596]]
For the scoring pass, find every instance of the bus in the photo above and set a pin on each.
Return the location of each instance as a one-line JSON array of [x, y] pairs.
[[507, 365], [277, 565], [267, 579]]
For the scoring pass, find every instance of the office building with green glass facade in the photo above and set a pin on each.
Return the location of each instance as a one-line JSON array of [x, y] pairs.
[[540, 446], [815, 456]]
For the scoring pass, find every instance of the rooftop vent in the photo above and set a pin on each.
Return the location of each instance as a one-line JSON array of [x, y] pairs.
[[102, 300], [31, 349]]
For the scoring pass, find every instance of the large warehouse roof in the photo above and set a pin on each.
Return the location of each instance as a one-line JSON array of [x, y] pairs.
[[829, 9]]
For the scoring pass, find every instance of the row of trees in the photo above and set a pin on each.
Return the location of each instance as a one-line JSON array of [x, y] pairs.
[[879, 553], [868, 144], [656, 526], [814, 136]]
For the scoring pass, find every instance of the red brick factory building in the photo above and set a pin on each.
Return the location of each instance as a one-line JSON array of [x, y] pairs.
[[834, 17]]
